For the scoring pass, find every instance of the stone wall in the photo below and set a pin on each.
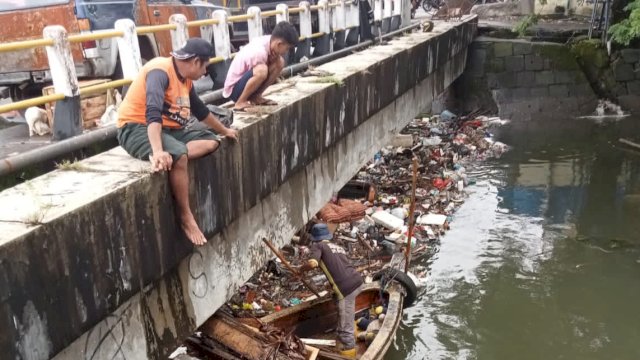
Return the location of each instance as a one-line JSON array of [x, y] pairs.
[[521, 80], [92, 262], [626, 70]]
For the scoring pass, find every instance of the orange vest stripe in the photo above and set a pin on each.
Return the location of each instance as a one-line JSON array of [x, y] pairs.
[[176, 107]]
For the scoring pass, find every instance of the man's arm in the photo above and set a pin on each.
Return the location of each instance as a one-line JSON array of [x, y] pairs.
[[157, 82], [202, 113]]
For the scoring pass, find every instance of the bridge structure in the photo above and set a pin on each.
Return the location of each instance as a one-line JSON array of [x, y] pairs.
[[93, 264]]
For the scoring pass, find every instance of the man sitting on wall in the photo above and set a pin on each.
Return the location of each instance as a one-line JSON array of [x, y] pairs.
[[152, 119], [258, 65]]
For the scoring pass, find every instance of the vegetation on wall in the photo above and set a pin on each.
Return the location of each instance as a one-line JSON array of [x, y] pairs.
[[525, 23]]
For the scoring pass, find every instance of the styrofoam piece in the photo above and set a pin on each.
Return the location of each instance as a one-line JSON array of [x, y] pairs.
[[387, 220], [432, 219]]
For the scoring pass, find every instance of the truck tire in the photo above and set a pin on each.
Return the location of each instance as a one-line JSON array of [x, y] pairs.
[[402, 279]]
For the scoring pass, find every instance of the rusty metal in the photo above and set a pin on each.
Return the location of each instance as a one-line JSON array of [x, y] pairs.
[[27, 25]]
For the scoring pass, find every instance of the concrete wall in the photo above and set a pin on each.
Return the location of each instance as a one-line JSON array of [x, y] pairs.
[[92, 263], [571, 7], [626, 70], [523, 80]]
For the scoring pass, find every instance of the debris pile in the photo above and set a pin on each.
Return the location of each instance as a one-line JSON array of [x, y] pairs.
[[369, 216]]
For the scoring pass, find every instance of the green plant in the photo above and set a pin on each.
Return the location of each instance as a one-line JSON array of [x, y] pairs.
[[67, 165], [524, 24], [37, 216], [329, 80], [628, 29]]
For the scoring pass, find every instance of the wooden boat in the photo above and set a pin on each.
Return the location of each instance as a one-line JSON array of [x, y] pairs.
[[316, 319], [231, 338]]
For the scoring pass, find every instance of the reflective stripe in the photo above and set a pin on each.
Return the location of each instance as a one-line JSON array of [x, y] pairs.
[[330, 278]]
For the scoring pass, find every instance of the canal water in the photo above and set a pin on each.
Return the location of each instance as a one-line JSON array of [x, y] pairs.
[[543, 259]]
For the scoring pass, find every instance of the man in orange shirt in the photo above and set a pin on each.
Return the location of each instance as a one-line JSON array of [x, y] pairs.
[[153, 116]]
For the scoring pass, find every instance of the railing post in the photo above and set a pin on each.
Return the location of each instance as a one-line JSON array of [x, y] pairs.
[[221, 38], [341, 25], [222, 44], [405, 12], [386, 16], [396, 20], [284, 8], [353, 21], [180, 35], [67, 116], [323, 44], [128, 49], [304, 46], [255, 23], [377, 17]]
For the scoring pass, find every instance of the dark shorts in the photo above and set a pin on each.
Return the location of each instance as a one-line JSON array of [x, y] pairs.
[[238, 88], [134, 139]]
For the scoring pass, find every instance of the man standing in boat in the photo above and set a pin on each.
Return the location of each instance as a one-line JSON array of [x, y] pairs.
[[344, 279]]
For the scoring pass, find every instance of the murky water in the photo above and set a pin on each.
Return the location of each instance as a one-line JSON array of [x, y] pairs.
[[543, 260]]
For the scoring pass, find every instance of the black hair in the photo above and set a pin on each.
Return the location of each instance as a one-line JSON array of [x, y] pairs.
[[285, 31]]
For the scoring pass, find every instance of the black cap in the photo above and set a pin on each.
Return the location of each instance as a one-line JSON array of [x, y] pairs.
[[194, 47]]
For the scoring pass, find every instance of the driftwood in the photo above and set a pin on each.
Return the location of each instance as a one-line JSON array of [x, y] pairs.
[[253, 344], [288, 266], [630, 143]]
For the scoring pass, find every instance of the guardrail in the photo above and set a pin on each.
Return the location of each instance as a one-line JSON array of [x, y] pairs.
[[338, 26]]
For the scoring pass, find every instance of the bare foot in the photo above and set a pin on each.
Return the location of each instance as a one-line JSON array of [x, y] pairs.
[[263, 101], [191, 229], [241, 105]]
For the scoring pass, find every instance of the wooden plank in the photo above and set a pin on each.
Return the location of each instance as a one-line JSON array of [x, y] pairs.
[[629, 143], [321, 342], [312, 352], [236, 336]]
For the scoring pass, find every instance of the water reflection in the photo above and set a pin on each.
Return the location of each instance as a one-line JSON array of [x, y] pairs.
[[543, 261]]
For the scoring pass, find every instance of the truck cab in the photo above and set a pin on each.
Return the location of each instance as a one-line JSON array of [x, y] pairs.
[[25, 72]]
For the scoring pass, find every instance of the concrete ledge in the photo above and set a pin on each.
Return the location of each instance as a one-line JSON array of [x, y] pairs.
[[108, 273]]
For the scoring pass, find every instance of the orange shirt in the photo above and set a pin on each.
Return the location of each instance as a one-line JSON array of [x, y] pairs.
[[176, 109]]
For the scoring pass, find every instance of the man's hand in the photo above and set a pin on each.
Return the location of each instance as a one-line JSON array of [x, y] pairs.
[[161, 161], [232, 134]]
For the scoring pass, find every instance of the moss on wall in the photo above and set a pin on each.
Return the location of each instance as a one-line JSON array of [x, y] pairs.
[[594, 62], [561, 58]]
